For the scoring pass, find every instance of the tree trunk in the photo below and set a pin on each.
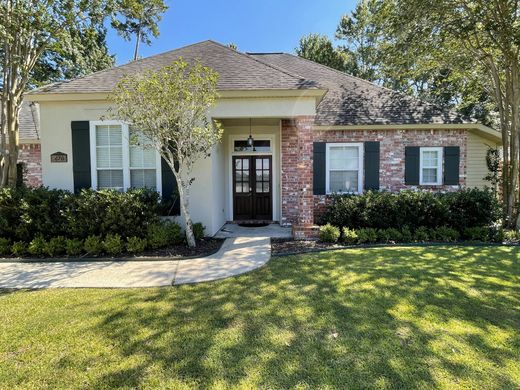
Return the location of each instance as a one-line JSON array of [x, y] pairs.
[[184, 198], [138, 41]]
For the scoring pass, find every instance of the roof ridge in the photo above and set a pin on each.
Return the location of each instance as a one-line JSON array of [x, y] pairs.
[[382, 87], [296, 76]]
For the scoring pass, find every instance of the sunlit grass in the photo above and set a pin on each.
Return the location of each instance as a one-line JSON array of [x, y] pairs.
[[444, 317]]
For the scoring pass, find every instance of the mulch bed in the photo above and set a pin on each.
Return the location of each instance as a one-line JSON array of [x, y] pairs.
[[205, 247], [284, 246], [288, 246]]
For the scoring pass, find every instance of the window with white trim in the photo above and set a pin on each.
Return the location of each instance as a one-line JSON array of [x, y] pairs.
[[122, 158], [430, 172], [344, 168]]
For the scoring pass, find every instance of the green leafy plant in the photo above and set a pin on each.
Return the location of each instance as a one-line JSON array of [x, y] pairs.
[[445, 234], [367, 235], [511, 236], [73, 247], [56, 246], [93, 245], [422, 234], [5, 247], [198, 231], [329, 233], [406, 233], [19, 248], [349, 236], [390, 235], [135, 244], [477, 234], [113, 244], [37, 246]]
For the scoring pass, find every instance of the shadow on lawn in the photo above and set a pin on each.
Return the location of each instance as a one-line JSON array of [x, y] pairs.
[[360, 318]]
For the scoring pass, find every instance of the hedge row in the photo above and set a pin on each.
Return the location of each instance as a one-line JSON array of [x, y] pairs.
[[347, 236], [382, 210], [159, 235], [29, 213]]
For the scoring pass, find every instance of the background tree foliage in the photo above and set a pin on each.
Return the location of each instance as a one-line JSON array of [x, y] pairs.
[[50, 40], [458, 54]]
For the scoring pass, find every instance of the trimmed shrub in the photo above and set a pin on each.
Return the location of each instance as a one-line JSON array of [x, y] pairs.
[[56, 246], [19, 248], [113, 244], [477, 234], [382, 210], [135, 244], [349, 236], [157, 236], [367, 235], [390, 235], [406, 233], [73, 247], [5, 247], [422, 234], [329, 233], [93, 245], [38, 247], [445, 234], [198, 230], [511, 236]]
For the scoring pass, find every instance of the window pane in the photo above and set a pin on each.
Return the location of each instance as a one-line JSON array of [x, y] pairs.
[[344, 157], [238, 187], [246, 163], [430, 159], [266, 187], [143, 178], [430, 175], [102, 136], [238, 164], [245, 186], [116, 135], [258, 163], [259, 187], [343, 181], [116, 157], [110, 179]]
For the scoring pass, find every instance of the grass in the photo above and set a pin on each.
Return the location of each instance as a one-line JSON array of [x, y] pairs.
[[443, 317]]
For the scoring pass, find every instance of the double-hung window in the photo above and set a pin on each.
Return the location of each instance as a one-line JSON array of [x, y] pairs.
[[344, 168], [430, 172], [122, 158]]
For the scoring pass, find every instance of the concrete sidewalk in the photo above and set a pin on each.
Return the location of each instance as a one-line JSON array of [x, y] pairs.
[[235, 257]]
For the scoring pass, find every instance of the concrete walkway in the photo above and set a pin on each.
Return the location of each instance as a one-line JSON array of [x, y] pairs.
[[237, 256]]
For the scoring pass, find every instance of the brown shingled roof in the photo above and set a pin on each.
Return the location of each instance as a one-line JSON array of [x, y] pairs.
[[29, 121], [236, 70], [353, 101]]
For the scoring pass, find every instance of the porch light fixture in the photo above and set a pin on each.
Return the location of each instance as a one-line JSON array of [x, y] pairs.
[[250, 140]]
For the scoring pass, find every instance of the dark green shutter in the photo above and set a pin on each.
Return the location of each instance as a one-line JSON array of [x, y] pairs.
[[451, 165], [81, 155], [372, 165], [411, 165], [318, 168], [169, 186]]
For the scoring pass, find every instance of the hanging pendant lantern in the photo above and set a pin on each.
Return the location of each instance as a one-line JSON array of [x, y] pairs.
[[250, 140]]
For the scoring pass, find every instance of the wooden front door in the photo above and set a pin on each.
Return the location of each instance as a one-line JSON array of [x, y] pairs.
[[252, 188]]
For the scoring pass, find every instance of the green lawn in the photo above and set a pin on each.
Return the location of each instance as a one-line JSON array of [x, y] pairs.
[[445, 317]]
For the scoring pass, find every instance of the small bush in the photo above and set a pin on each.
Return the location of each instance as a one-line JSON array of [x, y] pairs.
[[349, 236], [135, 244], [329, 233], [19, 248], [198, 230], [445, 234], [157, 236], [511, 236], [390, 235], [174, 233], [367, 235], [38, 247], [477, 234], [113, 244], [56, 246], [497, 234], [73, 247], [5, 247], [93, 245], [406, 234], [422, 234]]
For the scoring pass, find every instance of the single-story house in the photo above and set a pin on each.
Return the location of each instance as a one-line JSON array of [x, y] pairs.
[[316, 131]]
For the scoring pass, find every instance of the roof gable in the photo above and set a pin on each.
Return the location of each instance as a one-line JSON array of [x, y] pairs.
[[236, 70]]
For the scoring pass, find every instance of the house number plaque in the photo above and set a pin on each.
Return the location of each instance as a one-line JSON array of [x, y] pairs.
[[59, 157]]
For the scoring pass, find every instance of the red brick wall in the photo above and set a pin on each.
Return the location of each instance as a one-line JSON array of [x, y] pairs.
[[297, 139], [31, 156]]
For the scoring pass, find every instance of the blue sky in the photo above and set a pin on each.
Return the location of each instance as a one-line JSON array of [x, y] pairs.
[[255, 26]]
